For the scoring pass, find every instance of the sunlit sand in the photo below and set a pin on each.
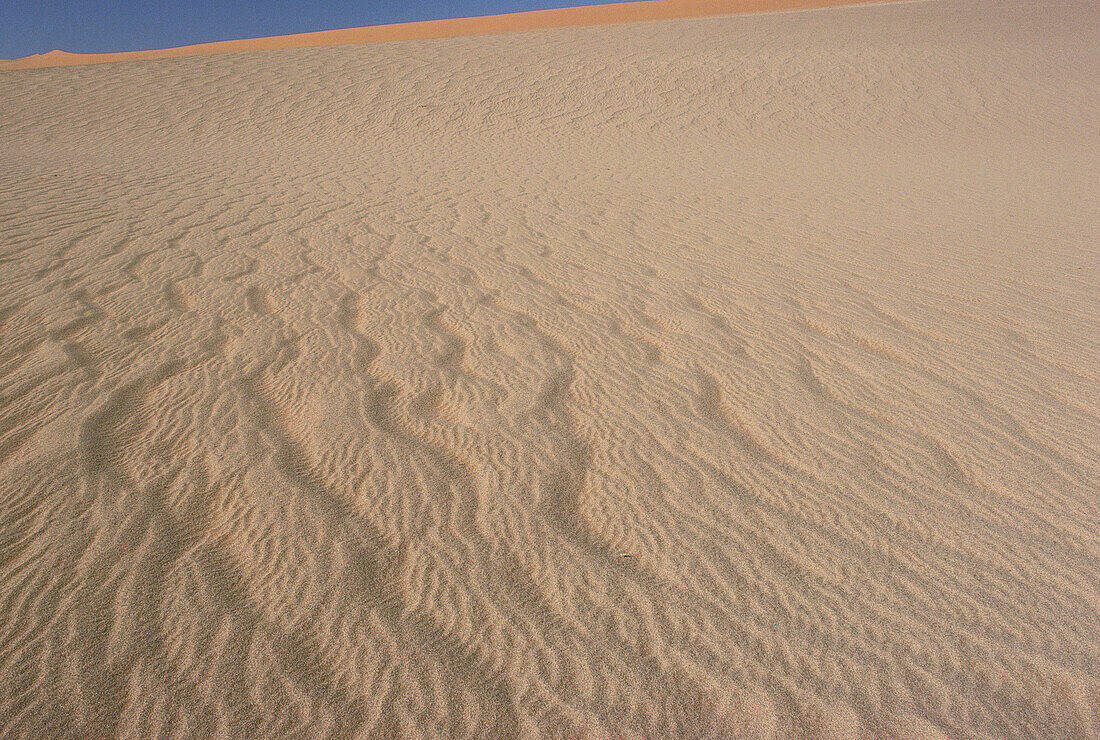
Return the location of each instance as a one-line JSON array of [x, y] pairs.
[[708, 377]]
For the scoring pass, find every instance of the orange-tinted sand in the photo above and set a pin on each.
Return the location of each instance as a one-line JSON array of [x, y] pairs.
[[593, 15]]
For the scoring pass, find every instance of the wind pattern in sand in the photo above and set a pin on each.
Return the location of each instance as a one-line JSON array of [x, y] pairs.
[[704, 378]]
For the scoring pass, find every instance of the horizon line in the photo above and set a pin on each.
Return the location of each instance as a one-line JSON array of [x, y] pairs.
[[567, 17]]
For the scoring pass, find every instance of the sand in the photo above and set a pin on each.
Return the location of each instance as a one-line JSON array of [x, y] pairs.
[[723, 377]]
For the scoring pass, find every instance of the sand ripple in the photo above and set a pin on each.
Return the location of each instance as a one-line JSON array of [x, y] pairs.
[[703, 378]]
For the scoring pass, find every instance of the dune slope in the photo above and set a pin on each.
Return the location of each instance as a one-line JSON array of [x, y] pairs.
[[705, 378]]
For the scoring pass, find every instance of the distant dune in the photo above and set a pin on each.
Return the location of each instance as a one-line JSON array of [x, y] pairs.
[[704, 378], [648, 10]]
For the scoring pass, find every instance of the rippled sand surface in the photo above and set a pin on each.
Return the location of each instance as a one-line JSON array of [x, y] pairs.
[[729, 377]]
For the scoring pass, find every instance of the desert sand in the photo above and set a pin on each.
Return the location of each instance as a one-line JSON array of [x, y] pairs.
[[711, 377]]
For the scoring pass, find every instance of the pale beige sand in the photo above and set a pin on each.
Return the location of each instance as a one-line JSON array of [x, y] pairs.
[[587, 15], [704, 378]]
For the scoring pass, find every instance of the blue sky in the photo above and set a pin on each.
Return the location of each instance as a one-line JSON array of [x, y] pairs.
[[33, 26]]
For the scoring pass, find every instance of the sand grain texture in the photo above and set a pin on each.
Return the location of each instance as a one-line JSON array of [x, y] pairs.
[[703, 378]]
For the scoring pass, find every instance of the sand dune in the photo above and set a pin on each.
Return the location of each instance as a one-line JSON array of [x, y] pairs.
[[727, 377], [591, 15]]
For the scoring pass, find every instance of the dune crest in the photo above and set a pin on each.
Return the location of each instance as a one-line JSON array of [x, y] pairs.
[[590, 15]]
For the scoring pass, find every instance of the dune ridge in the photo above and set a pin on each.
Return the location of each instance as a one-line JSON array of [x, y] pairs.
[[707, 378], [590, 15]]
